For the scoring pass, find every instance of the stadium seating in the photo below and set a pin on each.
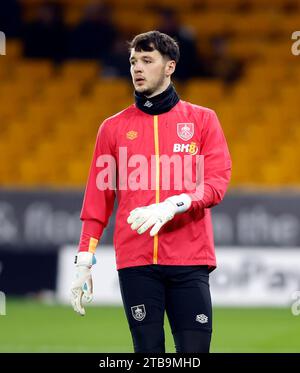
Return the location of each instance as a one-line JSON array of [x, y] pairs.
[[50, 114]]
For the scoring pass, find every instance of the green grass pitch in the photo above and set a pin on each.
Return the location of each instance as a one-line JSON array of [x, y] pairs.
[[30, 326]]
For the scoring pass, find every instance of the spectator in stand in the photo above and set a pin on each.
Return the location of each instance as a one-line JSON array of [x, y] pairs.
[[45, 37], [191, 64], [10, 18], [95, 35], [223, 65], [116, 62]]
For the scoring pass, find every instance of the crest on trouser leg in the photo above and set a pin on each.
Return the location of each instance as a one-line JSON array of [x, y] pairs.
[[138, 312]]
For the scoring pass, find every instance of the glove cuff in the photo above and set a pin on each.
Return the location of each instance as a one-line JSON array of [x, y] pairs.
[[181, 202], [85, 258]]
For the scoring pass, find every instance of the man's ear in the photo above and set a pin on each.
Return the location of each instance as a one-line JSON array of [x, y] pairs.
[[170, 67]]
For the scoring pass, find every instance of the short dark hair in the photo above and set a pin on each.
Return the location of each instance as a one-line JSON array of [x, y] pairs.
[[151, 40]]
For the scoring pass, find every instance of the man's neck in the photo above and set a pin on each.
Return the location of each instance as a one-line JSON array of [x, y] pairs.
[[162, 88], [159, 103]]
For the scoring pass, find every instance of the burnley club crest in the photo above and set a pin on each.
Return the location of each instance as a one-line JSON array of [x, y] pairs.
[[185, 130], [138, 312]]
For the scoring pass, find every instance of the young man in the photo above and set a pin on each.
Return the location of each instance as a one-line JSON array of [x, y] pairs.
[[163, 236]]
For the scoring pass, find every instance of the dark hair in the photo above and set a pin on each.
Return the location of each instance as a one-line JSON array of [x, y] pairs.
[[151, 40]]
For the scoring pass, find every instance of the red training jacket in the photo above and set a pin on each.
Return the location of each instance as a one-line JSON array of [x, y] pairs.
[[133, 143]]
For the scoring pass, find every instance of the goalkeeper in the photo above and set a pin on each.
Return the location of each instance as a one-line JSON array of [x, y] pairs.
[[163, 236]]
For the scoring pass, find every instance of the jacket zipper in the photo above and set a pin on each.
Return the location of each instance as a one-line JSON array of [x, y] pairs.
[[157, 176]]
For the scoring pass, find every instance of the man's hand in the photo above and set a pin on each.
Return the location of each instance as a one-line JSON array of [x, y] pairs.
[[158, 214], [82, 286]]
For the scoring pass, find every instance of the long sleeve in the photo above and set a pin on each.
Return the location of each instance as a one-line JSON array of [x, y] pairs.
[[217, 164], [99, 194]]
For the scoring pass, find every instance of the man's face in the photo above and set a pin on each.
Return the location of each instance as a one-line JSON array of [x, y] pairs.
[[149, 70]]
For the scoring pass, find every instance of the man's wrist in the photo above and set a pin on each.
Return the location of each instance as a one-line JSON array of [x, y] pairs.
[[181, 202], [85, 258]]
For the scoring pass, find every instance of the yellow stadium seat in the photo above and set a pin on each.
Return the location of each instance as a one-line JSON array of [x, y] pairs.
[[83, 70], [78, 172], [131, 21], [30, 69], [14, 49]]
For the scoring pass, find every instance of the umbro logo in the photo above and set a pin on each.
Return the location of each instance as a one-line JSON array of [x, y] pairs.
[[203, 319], [148, 103], [131, 135]]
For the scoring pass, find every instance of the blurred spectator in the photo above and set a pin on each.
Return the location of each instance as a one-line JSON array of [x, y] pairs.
[[290, 6], [224, 66], [190, 63], [116, 63], [45, 37], [10, 18], [93, 37]]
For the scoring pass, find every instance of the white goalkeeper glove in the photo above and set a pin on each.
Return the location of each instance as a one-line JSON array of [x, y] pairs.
[[82, 286], [158, 214]]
